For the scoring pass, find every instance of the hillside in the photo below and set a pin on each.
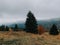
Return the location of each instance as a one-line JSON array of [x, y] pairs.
[[23, 38], [46, 23]]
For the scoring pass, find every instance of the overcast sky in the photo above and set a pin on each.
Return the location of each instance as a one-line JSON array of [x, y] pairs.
[[16, 10]]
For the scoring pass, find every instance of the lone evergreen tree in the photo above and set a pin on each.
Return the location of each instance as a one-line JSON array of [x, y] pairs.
[[54, 30], [31, 23], [3, 28], [16, 27], [7, 28]]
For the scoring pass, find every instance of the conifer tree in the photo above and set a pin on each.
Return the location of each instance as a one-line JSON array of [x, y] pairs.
[[16, 27], [7, 28], [3, 28], [54, 30], [31, 23]]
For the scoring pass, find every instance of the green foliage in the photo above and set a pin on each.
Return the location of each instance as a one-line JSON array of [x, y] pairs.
[[54, 30], [2, 28], [16, 27], [31, 23], [6, 28]]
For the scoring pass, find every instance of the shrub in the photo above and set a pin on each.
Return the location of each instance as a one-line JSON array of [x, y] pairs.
[[54, 30]]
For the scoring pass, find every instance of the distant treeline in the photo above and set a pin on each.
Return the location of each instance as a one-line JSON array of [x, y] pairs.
[[31, 26]]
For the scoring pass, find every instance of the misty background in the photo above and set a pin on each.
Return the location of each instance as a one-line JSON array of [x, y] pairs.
[[16, 10]]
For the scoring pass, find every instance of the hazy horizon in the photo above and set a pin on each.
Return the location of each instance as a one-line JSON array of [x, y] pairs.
[[16, 10]]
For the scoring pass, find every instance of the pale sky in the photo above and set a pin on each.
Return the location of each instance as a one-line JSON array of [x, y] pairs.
[[16, 10]]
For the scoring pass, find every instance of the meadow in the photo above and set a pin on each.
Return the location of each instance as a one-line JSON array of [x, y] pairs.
[[23, 38]]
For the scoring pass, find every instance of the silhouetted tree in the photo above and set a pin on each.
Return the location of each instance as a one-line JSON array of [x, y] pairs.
[[31, 23], [54, 30], [2, 28], [6, 28], [16, 27]]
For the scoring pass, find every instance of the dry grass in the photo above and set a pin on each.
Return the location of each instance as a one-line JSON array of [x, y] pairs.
[[23, 38]]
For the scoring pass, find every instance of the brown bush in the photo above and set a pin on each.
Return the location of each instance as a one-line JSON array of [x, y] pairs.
[[41, 29]]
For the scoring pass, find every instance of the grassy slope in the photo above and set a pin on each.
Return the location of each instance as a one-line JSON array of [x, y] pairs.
[[23, 38]]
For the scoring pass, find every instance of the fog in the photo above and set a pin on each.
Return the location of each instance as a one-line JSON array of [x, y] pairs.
[[16, 10]]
